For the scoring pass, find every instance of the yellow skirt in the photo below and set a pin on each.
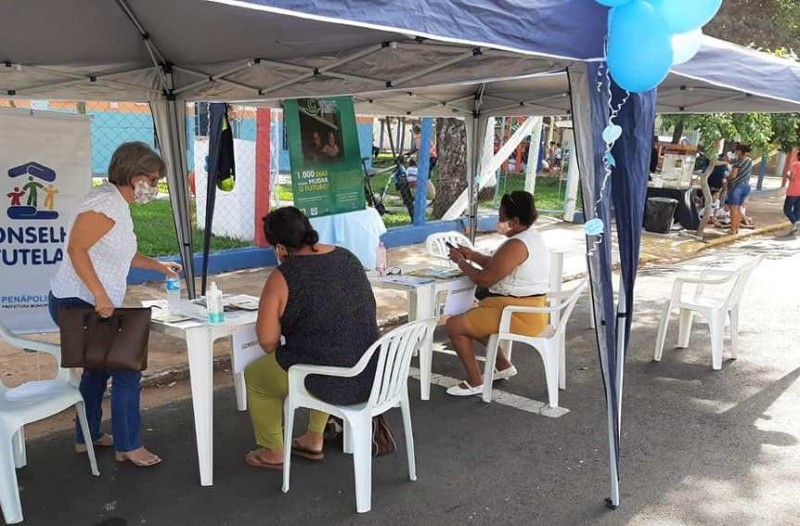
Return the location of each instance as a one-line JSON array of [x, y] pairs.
[[484, 320]]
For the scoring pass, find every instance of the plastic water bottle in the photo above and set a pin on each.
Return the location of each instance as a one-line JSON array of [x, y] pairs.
[[173, 286], [214, 306], [380, 262]]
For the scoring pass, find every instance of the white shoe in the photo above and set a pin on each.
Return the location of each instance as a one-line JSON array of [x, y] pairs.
[[505, 374], [794, 228], [464, 389]]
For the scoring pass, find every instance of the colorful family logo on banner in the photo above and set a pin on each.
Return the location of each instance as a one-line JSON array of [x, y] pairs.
[[324, 155], [45, 167]]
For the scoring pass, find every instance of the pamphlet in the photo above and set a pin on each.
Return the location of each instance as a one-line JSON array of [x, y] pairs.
[[436, 273]]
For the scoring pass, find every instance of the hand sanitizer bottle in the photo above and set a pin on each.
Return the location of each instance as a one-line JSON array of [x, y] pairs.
[[216, 312]]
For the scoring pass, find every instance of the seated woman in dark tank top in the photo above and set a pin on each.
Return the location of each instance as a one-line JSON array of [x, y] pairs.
[[320, 300]]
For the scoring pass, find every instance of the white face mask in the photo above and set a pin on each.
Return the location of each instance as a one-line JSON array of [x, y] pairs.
[[143, 192], [503, 228]]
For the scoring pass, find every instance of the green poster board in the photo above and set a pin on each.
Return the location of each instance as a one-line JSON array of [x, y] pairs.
[[324, 155]]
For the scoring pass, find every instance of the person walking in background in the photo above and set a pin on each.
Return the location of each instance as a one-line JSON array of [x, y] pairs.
[[791, 206], [738, 185]]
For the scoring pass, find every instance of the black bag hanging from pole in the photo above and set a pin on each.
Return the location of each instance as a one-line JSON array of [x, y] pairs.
[[221, 172]]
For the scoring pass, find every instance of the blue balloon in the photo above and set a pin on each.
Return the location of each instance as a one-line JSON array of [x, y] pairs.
[[685, 46], [612, 3], [682, 16], [639, 50]]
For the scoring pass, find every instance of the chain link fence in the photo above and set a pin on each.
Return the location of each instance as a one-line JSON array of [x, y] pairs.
[[113, 123]]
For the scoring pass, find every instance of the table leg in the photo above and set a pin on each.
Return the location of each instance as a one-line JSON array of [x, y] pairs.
[[425, 307], [200, 349]]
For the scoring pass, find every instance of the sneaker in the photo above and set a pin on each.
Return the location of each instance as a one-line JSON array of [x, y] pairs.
[[795, 227]]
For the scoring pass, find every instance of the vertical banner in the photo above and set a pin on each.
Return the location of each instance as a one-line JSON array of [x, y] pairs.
[[324, 155], [45, 168]]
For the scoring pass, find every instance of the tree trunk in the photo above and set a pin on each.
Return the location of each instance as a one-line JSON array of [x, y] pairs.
[[678, 133], [452, 145]]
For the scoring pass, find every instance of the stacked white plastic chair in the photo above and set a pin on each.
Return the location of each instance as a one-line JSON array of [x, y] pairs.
[[389, 390], [551, 344], [436, 245], [713, 307], [30, 402]]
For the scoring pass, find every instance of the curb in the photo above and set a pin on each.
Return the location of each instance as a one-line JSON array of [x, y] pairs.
[[724, 240]]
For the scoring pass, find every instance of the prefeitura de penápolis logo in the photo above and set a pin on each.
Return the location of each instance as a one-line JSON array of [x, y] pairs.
[[32, 197]]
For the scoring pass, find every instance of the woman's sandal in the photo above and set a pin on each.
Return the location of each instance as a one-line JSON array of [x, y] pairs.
[[104, 441], [306, 453], [151, 461], [253, 459]]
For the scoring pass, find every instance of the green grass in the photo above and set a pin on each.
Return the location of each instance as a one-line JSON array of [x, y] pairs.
[[155, 231], [549, 194]]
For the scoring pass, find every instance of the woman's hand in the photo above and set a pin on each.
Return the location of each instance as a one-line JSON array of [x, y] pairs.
[[170, 268], [457, 255], [103, 305]]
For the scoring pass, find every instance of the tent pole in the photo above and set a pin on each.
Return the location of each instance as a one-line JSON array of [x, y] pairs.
[[532, 163]]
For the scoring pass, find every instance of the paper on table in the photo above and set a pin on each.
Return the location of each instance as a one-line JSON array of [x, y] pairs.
[[460, 298], [245, 348]]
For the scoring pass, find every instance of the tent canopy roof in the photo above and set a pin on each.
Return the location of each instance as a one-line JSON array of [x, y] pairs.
[[239, 50], [757, 83]]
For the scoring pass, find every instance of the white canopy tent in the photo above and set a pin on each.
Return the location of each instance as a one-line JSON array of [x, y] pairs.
[[168, 52]]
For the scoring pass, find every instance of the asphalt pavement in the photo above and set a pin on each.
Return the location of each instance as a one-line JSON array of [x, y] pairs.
[[698, 446]]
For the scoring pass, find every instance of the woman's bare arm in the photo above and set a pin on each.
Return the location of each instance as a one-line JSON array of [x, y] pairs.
[[270, 308], [87, 230], [512, 254]]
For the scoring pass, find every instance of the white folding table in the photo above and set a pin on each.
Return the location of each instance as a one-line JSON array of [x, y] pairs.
[[200, 337]]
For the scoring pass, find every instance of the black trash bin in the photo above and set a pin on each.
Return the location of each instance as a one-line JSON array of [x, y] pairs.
[[659, 214]]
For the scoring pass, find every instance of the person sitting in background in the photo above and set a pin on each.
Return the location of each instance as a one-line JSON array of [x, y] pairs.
[[320, 300], [517, 274], [411, 176]]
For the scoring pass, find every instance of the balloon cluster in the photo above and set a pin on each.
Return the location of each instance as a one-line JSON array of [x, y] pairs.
[[647, 37]]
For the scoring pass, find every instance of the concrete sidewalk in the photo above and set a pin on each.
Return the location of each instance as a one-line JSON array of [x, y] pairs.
[[167, 356]]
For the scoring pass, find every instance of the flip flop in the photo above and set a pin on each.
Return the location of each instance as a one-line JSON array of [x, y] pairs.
[[308, 454], [254, 460]]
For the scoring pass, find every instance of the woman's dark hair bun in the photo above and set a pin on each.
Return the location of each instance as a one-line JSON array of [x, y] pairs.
[[311, 237], [288, 226], [520, 205]]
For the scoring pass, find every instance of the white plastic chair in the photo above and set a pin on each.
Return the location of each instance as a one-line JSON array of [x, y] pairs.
[[436, 245], [389, 390], [713, 308], [551, 344], [30, 402]]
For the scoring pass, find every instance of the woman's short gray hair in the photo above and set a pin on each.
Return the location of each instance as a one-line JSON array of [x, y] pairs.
[[132, 159]]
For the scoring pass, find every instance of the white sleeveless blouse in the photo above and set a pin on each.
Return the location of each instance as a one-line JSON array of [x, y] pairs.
[[532, 276], [111, 256]]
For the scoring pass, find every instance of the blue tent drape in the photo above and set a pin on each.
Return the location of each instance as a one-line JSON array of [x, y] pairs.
[[594, 97]]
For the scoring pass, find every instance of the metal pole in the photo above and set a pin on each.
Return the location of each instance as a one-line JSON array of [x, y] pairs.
[[423, 170]]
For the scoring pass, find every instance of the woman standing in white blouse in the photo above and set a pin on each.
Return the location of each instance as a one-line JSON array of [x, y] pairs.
[[101, 248]]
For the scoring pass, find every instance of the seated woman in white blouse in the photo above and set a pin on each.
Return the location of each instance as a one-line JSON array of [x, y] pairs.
[[517, 274]]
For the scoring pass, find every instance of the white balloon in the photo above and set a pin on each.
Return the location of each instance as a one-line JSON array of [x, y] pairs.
[[685, 46]]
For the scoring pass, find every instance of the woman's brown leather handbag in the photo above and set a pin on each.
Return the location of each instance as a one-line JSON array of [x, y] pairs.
[[116, 342]]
